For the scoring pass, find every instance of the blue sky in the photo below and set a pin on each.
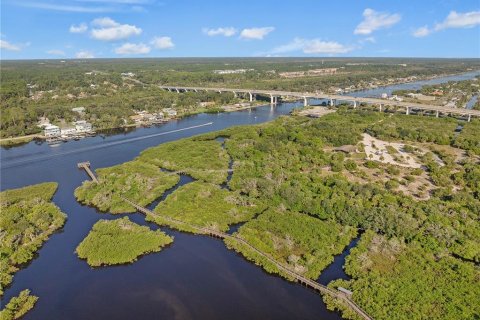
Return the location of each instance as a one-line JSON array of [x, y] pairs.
[[165, 28]]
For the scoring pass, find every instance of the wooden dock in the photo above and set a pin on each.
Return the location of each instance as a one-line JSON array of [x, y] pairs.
[[320, 288], [298, 277], [86, 166]]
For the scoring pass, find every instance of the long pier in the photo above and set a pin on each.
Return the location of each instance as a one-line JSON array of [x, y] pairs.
[[356, 101], [222, 235], [86, 165]]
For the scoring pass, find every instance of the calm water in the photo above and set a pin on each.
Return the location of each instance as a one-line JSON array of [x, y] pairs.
[[471, 102], [377, 92], [194, 278]]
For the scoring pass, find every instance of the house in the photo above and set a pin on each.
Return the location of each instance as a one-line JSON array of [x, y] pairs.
[[170, 112], [82, 126], [149, 117], [206, 104], [51, 131], [137, 118], [43, 122], [68, 131]]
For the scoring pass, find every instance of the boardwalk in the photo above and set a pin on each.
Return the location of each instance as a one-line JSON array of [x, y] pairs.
[[86, 166], [222, 235], [408, 106]]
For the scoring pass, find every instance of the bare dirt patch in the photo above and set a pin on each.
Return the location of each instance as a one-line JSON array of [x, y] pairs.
[[388, 152]]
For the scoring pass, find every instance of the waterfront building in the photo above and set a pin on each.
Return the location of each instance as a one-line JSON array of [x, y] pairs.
[[51, 131]]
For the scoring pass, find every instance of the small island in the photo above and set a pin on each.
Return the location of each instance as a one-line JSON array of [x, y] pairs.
[[406, 185], [18, 306], [205, 205], [120, 241], [28, 218], [137, 180]]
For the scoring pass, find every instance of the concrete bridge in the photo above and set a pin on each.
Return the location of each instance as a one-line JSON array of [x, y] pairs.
[[333, 99]]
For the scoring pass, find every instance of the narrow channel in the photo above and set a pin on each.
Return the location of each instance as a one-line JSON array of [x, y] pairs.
[[336, 270]]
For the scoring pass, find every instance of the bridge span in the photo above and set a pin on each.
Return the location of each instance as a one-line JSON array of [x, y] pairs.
[[356, 101]]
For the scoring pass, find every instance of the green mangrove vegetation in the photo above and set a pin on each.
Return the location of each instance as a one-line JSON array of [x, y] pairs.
[[305, 244], [136, 180], [415, 128], [18, 306], [202, 159], [206, 205], [120, 241], [314, 196], [468, 138], [397, 280], [27, 219]]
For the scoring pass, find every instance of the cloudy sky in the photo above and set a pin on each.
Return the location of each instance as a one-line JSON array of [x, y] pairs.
[[166, 28]]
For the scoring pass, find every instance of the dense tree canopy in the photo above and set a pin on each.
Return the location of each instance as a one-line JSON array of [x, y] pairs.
[[27, 219]]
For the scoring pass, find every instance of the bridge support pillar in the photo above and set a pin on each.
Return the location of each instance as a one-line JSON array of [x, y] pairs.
[[273, 99], [305, 101], [333, 102], [354, 104], [178, 91], [380, 106], [408, 111], [469, 118], [234, 94], [437, 114], [251, 96]]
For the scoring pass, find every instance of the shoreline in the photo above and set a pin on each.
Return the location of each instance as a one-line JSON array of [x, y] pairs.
[[11, 142], [21, 140]]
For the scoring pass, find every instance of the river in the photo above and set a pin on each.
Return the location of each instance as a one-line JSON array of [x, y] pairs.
[[194, 278]]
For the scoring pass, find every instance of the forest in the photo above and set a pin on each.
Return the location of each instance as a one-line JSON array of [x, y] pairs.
[[51, 88], [303, 243], [201, 159], [120, 241], [306, 199], [18, 306], [28, 218], [207, 205]]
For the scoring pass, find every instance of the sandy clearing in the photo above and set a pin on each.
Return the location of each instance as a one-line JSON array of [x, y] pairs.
[[376, 149]]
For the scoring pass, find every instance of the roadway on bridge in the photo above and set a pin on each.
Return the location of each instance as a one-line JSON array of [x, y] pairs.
[[309, 95]]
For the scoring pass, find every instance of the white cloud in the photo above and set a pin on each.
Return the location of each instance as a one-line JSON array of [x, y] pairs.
[[81, 28], [313, 46], [9, 46], [84, 55], [373, 20], [256, 33], [460, 20], [133, 48], [422, 32], [56, 52], [162, 43], [66, 8], [105, 22], [453, 20], [222, 31], [110, 30]]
